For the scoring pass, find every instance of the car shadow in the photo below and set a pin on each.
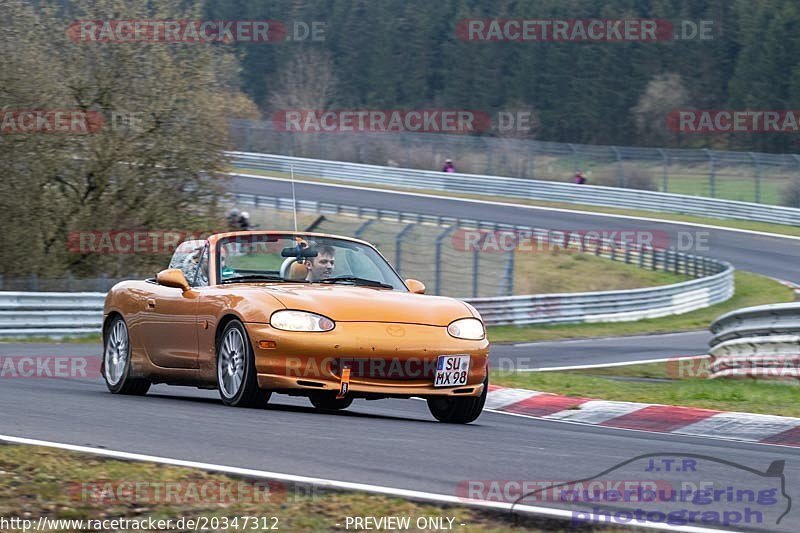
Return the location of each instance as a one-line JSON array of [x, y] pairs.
[[280, 407]]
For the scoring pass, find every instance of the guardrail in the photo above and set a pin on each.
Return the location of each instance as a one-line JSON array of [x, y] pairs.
[[757, 342], [50, 314], [516, 188], [744, 176], [63, 314]]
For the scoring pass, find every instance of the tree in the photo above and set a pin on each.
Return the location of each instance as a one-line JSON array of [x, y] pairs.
[[151, 162], [306, 81], [664, 94]]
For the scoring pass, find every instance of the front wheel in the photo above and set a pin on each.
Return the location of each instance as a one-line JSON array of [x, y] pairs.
[[117, 361], [459, 410], [236, 369]]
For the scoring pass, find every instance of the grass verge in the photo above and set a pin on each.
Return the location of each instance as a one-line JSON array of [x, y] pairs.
[[662, 383], [37, 482], [779, 229], [751, 289]]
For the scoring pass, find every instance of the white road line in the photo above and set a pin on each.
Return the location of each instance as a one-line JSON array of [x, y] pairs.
[[344, 485], [525, 206], [604, 365]]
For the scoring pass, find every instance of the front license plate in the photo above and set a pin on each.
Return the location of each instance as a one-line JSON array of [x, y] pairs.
[[451, 371]]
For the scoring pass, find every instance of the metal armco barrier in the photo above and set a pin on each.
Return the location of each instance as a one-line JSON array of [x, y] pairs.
[[516, 188], [50, 314], [760, 342]]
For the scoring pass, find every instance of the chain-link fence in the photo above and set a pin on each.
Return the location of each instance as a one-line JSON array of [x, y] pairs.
[[745, 176], [455, 257]]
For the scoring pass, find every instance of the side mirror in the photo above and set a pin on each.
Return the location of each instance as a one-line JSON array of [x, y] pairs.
[[173, 277], [417, 287]]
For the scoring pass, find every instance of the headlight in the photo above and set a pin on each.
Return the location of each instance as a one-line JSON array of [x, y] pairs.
[[300, 321], [467, 328]]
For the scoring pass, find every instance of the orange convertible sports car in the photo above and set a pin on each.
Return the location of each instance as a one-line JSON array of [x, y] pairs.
[[257, 312]]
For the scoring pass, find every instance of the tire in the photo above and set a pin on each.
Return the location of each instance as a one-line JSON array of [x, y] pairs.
[[117, 361], [458, 410], [237, 381], [328, 402]]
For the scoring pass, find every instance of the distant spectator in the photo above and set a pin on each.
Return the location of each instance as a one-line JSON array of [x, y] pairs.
[[233, 219], [579, 178], [448, 166], [244, 221]]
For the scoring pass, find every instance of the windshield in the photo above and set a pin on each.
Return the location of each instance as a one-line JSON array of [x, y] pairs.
[[303, 259]]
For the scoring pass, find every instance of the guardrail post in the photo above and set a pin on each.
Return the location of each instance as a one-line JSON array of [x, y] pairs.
[[33, 283], [620, 175], [476, 265], [665, 176], [653, 258], [399, 246], [757, 177], [575, 165], [362, 228], [712, 174], [641, 256], [438, 263], [694, 266], [510, 273]]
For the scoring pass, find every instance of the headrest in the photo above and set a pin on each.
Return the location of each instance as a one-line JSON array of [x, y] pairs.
[[297, 271]]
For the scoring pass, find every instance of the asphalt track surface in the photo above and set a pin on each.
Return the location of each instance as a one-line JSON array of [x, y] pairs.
[[397, 443], [392, 443]]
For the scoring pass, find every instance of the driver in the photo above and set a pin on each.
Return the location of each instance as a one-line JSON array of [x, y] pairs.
[[321, 266]]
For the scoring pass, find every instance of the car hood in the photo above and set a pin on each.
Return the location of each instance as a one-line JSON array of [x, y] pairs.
[[345, 303]]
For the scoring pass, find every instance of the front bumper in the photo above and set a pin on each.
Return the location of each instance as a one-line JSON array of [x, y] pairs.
[[386, 359]]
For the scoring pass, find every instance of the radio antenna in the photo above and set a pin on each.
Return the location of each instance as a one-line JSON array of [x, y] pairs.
[[294, 198]]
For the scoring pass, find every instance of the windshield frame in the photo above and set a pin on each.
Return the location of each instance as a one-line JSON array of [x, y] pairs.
[[258, 236]]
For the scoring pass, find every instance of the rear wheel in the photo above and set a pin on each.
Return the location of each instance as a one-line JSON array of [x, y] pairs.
[[327, 401], [117, 361], [236, 369], [458, 410]]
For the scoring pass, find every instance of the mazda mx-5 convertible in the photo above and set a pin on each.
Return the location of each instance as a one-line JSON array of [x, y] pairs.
[[305, 314]]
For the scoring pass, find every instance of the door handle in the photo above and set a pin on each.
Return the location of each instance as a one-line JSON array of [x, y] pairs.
[[151, 303]]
